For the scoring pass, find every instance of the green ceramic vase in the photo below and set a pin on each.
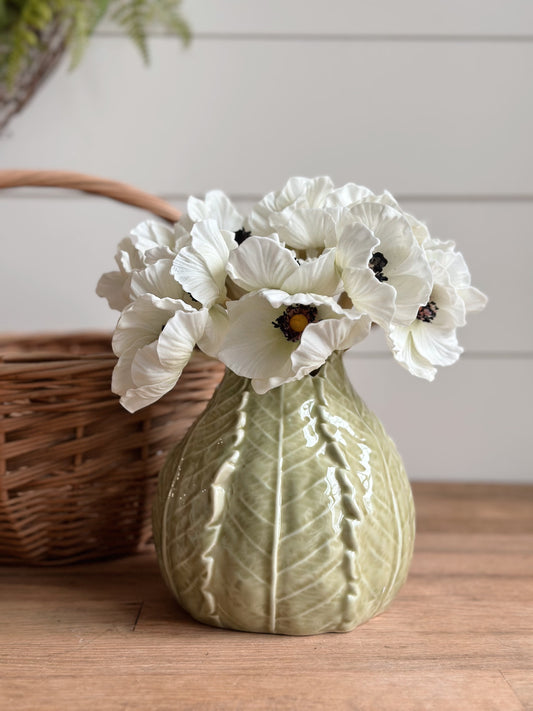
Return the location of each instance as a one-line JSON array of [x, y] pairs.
[[288, 512]]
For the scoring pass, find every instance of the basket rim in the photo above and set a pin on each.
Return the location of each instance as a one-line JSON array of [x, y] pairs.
[[32, 350], [25, 357], [83, 182]]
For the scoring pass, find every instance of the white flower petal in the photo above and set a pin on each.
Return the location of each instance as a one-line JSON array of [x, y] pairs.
[[276, 208], [261, 262], [263, 385], [307, 229], [320, 339], [179, 337], [201, 267], [457, 273], [347, 195], [114, 286], [151, 379], [317, 276], [317, 190], [420, 229], [215, 331], [128, 256], [400, 339], [391, 228], [156, 279], [146, 244], [151, 256], [355, 246], [153, 363], [121, 380], [151, 233], [182, 239], [451, 311], [437, 346], [190, 269], [141, 322], [216, 206], [451, 262], [411, 293], [407, 268], [258, 221], [474, 299], [253, 347], [213, 243], [278, 298], [370, 296]]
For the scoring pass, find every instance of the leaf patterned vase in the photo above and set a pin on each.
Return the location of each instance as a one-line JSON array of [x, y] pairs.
[[288, 512]]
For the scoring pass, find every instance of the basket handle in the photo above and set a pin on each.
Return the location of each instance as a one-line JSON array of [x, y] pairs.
[[89, 184]]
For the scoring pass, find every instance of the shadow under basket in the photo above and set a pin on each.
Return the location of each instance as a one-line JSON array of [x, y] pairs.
[[78, 472]]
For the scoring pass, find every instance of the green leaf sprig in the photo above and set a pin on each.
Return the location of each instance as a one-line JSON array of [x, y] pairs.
[[28, 26]]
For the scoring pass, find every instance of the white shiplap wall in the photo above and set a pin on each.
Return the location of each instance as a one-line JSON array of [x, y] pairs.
[[430, 100]]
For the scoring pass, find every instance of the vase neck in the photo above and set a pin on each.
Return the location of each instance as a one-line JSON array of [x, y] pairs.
[[332, 371]]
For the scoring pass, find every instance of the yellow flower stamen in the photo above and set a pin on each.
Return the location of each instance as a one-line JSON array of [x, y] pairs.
[[294, 320], [298, 322]]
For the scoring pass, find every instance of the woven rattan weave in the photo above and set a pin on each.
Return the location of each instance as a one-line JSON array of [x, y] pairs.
[[77, 472]]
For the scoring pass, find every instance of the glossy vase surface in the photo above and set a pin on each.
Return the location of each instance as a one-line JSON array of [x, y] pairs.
[[288, 512]]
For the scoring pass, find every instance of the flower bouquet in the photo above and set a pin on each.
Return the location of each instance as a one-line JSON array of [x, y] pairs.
[[286, 507]]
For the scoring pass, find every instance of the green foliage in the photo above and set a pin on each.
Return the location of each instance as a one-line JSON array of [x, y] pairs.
[[28, 27]]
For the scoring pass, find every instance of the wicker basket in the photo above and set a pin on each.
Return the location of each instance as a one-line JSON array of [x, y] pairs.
[[77, 472]]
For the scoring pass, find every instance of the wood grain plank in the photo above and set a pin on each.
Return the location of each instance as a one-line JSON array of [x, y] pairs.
[[106, 632], [522, 684], [176, 649], [427, 118], [477, 508], [354, 690]]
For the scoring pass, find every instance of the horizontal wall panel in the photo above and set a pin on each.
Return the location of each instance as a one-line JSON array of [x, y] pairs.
[[342, 17], [420, 118], [59, 247], [53, 254], [471, 424]]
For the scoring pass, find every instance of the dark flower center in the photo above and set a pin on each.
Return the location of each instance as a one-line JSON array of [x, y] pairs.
[[294, 320], [377, 263], [428, 312], [241, 235]]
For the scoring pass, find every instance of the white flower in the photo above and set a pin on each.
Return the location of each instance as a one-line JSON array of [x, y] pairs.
[[216, 206], [454, 263], [154, 340], [157, 280], [349, 195], [431, 339], [151, 235], [419, 228], [385, 271], [276, 208], [274, 295], [308, 229], [264, 263], [146, 243], [201, 266], [274, 337]]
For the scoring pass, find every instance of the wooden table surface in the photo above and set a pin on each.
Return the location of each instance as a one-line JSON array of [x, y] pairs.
[[459, 636]]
